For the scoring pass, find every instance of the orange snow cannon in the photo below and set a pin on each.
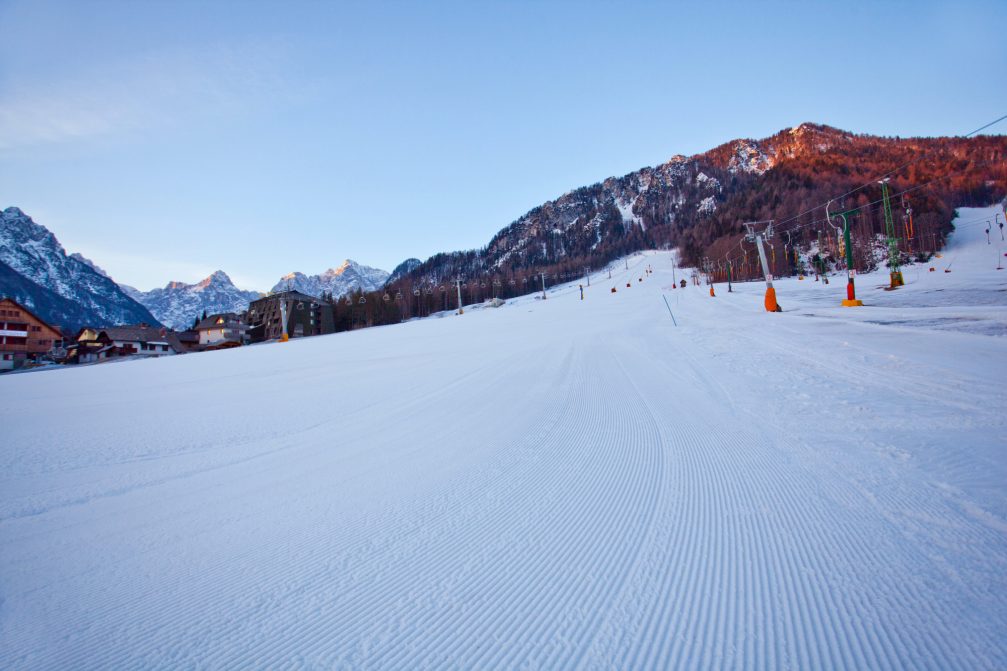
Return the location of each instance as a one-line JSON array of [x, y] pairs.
[[771, 304], [711, 291]]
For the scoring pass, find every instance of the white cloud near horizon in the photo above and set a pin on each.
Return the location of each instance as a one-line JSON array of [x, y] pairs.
[[150, 91]]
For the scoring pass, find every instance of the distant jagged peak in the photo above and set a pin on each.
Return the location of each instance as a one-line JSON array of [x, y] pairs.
[[349, 275], [342, 268], [14, 212], [86, 293], [216, 278], [17, 225], [178, 302], [350, 264]]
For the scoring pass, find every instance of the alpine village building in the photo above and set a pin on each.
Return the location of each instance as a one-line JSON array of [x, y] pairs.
[[24, 337], [221, 331], [306, 316]]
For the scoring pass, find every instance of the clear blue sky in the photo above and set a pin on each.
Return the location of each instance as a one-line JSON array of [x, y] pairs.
[[166, 140]]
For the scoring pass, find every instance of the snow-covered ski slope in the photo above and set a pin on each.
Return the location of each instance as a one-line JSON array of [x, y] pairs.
[[551, 484]]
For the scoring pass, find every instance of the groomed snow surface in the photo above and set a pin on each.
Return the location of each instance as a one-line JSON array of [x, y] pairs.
[[550, 484]]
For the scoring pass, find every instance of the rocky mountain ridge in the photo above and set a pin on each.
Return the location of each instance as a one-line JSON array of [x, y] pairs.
[[62, 289], [178, 304], [697, 203], [349, 276]]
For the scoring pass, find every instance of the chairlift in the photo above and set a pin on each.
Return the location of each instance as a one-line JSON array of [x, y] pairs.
[[429, 291], [362, 300], [416, 292], [386, 298], [398, 296], [443, 289]]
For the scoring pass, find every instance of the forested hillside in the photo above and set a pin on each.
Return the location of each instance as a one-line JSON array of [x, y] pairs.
[[699, 203]]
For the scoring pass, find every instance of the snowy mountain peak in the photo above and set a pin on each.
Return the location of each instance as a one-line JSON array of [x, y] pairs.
[[218, 278], [64, 290], [16, 227], [349, 276], [179, 303]]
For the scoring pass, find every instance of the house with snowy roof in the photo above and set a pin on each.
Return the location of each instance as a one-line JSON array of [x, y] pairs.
[[225, 329]]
